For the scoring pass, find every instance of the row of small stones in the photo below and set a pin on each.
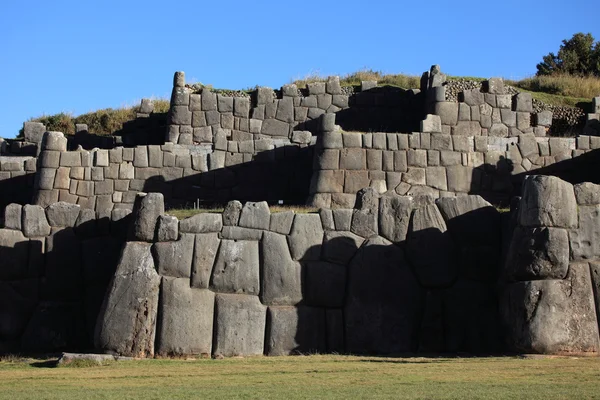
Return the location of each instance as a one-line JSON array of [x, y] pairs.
[[572, 115], [195, 88]]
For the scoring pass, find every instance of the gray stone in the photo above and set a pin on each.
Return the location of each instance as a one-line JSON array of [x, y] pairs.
[[63, 214], [239, 233], [34, 221], [13, 216], [587, 194], [585, 241], [435, 177], [326, 219], [552, 316], [295, 330], [544, 118], [147, 209], [459, 178], [383, 301], [14, 251], [302, 137], [353, 159], [364, 218], [471, 220], [54, 141], [306, 237], [281, 222], [168, 228], [340, 246], [428, 231], [495, 85], [473, 97], [431, 124], [201, 223], [175, 258], [274, 127], [185, 323], [206, 247], [231, 214], [548, 201], [281, 276], [33, 131], [127, 320], [342, 219], [255, 215], [236, 268], [285, 110], [448, 112], [538, 253], [523, 102], [239, 326], [394, 217], [332, 140]]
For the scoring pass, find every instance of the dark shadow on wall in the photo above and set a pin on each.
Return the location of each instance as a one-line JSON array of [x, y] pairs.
[[383, 299], [280, 174], [16, 190], [51, 289], [383, 109]]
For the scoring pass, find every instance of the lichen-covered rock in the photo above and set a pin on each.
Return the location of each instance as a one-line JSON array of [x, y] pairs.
[[239, 325], [236, 269], [295, 330], [127, 320], [185, 324], [552, 316]]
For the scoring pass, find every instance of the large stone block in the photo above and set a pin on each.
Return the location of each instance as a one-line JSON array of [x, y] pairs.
[[255, 215], [206, 245], [471, 220], [12, 216], [548, 201], [175, 258], [274, 127], [18, 300], [281, 222], [585, 241], [538, 253], [63, 214], [587, 194], [523, 102], [353, 159], [185, 324], [201, 223], [236, 268], [147, 209], [552, 316], [239, 325], [340, 246], [14, 250], [34, 222], [281, 276], [383, 301], [394, 217], [325, 284], [295, 330], [448, 112], [306, 237], [459, 178], [428, 231], [127, 320]]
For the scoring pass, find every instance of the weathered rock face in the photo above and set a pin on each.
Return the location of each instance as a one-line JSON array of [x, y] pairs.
[[295, 330], [185, 322], [548, 201], [236, 269], [383, 302], [306, 237], [126, 324], [552, 316], [148, 208]]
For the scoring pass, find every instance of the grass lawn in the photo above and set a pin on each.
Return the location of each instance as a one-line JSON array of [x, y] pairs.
[[307, 377]]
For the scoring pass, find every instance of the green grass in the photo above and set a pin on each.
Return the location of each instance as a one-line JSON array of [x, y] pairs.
[[182, 213], [309, 377], [100, 122]]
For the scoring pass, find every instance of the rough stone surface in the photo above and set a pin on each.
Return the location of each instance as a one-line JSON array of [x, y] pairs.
[[175, 258], [237, 268], [538, 253], [281, 222], [339, 246], [201, 223], [281, 276], [255, 215], [306, 237], [13, 216], [587, 194], [145, 216], [394, 217], [206, 245], [548, 201], [295, 330], [239, 328], [585, 241], [185, 323], [127, 320], [552, 316], [63, 214], [35, 223], [231, 214], [168, 228]]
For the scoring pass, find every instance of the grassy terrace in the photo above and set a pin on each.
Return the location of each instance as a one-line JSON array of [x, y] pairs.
[[307, 377]]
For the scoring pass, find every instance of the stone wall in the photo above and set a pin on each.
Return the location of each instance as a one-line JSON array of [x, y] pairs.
[[251, 282], [103, 180], [200, 116], [55, 265], [431, 162], [550, 301], [16, 179]]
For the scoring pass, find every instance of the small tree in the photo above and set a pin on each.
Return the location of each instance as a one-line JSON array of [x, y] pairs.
[[579, 55]]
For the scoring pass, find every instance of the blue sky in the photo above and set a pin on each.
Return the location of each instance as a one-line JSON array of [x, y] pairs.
[[79, 56]]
